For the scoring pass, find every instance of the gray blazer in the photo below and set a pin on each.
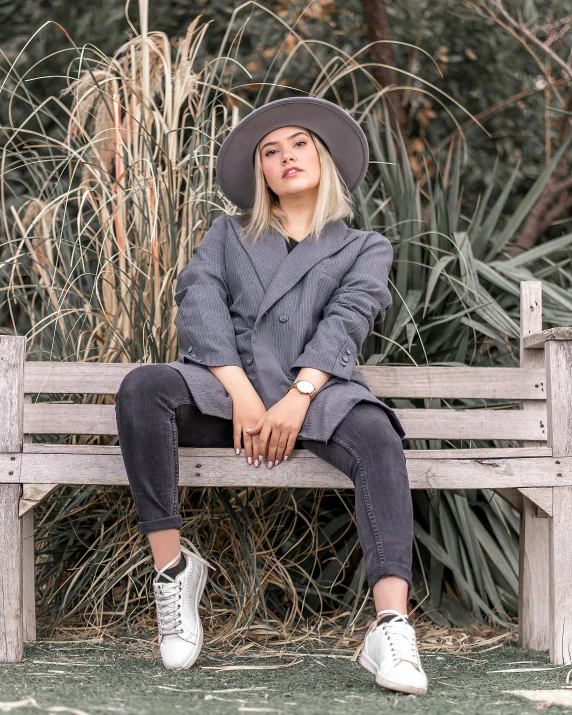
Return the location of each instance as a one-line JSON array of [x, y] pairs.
[[272, 312]]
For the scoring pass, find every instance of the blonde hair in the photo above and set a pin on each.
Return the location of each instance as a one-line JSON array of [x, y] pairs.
[[334, 199]]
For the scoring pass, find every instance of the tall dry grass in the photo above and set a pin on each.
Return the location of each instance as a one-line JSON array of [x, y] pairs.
[[98, 217]]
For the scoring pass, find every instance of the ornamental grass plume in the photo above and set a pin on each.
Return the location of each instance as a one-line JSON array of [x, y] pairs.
[[102, 204]]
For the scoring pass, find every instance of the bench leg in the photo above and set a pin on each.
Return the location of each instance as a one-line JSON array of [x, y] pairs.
[[11, 627], [28, 580], [534, 581], [561, 577]]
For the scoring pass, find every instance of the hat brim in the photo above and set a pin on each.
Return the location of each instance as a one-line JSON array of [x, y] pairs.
[[342, 135]]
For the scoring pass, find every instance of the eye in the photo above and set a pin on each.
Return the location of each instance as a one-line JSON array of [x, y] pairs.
[[301, 141]]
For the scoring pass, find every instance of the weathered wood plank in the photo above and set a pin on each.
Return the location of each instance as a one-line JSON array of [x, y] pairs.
[[49, 418], [11, 629], [558, 354], [561, 578], [512, 496], [383, 381], [487, 453], [197, 469], [541, 497], [28, 560], [28, 578], [534, 579], [500, 383], [33, 494], [538, 340], [534, 613], [559, 388], [12, 357], [75, 377]]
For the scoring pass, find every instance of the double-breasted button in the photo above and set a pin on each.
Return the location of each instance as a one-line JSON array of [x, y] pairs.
[[249, 361], [345, 358], [194, 355], [348, 351], [283, 318]]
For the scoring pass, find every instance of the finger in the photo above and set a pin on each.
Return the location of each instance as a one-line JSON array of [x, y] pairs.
[[282, 443], [290, 446], [273, 445], [256, 450], [236, 439], [247, 447], [263, 441]]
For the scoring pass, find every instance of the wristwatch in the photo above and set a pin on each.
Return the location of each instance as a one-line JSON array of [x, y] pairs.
[[305, 387]]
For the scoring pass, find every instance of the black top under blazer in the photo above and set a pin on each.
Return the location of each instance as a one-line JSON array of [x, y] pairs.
[[272, 310]]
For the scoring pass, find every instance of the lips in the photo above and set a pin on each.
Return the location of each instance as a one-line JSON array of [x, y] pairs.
[[292, 171]]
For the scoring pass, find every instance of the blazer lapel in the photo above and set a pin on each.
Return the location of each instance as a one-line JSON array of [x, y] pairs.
[[279, 270]]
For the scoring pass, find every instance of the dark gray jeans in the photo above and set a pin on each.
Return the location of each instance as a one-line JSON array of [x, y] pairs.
[[156, 414]]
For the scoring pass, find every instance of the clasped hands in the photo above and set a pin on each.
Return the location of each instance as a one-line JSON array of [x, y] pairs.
[[272, 433]]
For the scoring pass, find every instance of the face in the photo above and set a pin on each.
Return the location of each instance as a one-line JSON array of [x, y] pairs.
[[283, 149]]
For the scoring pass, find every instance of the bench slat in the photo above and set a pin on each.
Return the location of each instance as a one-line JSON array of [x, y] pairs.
[[487, 453], [446, 382], [52, 418], [199, 470]]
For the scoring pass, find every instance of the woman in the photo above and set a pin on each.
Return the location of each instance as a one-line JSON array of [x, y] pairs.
[[273, 309]]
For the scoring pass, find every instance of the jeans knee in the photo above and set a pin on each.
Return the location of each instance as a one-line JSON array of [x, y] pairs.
[[392, 440], [145, 382]]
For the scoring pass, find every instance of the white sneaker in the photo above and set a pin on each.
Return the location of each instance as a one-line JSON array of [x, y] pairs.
[[177, 602], [390, 652]]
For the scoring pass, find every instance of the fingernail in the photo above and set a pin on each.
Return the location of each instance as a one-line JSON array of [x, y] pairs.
[[285, 457], [260, 457], [270, 464], [276, 462], [256, 463], [250, 460], [237, 450]]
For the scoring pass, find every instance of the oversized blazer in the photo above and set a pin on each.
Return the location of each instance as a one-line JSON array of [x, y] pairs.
[[271, 312]]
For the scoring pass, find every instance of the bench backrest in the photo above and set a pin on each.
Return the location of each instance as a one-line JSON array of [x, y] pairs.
[[445, 383], [438, 385]]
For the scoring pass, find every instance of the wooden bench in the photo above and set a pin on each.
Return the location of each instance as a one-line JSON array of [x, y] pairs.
[[535, 476]]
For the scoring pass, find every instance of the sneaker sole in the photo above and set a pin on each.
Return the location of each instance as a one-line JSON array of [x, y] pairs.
[[369, 665], [202, 583]]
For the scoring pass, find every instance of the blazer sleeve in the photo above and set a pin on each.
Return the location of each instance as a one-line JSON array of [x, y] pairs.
[[205, 328], [354, 307]]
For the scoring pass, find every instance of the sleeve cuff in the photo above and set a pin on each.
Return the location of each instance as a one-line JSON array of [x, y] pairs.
[[342, 366], [218, 359]]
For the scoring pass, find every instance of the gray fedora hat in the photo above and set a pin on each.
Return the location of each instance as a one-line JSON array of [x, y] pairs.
[[342, 135]]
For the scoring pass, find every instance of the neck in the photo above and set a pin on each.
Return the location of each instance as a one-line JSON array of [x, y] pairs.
[[298, 215]]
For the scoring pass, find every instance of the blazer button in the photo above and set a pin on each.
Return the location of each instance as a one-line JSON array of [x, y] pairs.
[[345, 358], [283, 318], [249, 361], [348, 351], [194, 355]]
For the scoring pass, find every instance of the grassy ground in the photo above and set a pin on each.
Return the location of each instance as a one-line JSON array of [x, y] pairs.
[[94, 677]]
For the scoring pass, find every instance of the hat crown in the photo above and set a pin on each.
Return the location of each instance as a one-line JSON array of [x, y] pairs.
[[343, 136]]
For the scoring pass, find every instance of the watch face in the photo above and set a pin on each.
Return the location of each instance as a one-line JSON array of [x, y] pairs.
[[305, 386]]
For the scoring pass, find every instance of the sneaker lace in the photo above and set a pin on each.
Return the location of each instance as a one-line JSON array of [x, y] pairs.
[[168, 596], [168, 601], [197, 553], [401, 637]]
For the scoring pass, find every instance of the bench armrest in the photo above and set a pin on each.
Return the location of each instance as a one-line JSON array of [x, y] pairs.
[[537, 340]]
